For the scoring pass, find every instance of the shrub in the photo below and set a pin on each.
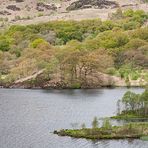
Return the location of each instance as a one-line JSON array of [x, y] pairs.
[[4, 45], [37, 42]]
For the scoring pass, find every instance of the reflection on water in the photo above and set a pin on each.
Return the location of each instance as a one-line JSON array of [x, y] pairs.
[[28, 117], [80, 93]]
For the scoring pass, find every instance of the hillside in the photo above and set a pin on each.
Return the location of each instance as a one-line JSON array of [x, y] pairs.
[[76, 49], [77, 54], [36, 11]]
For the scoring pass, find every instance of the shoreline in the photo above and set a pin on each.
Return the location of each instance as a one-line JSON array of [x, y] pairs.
[[70, 88]]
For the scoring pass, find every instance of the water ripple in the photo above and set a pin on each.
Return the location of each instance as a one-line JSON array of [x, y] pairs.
[[28, 117]]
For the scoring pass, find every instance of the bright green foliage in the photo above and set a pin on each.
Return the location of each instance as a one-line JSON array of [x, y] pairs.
[[112, 39], [38, 42], [138, 16]]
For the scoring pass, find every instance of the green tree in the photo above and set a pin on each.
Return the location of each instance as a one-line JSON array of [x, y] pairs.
[[144, 101], [130, 100], [106, 124], [83, 126], [95, 123]]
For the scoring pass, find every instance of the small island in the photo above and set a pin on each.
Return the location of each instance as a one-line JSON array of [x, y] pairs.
[[134, 106], [131, 130]]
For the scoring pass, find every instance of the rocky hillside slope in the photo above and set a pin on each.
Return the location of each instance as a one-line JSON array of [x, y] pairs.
[[35, 11]]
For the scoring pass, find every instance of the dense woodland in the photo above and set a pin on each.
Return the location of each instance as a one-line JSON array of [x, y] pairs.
[[72, 51]]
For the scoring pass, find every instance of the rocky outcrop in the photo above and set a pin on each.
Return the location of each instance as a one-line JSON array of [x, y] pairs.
[[38, 80], [101, 80], [129, 5], [4, 12], [81, 4], [42, 6], [61, 9], [19, 1], [13, 7]]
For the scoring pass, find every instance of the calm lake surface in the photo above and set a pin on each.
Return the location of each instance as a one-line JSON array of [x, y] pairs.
[[28, 117]]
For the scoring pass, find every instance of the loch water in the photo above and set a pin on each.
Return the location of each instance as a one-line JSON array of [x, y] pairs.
[[29, 117]]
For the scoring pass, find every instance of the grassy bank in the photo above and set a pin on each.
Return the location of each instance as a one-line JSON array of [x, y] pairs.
[[132, 130], [129, 116]]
